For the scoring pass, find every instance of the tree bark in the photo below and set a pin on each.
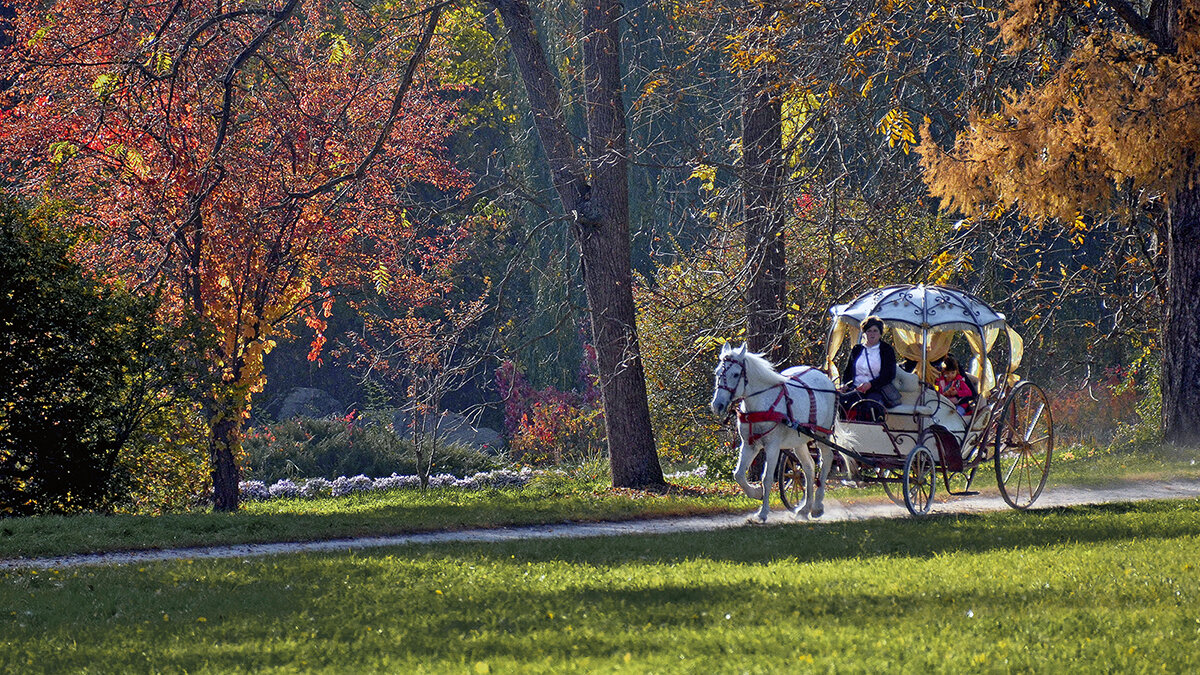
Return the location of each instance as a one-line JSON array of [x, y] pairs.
[[1181, 329], [763, 169], [224, 410], [224, 437], [600, 209]]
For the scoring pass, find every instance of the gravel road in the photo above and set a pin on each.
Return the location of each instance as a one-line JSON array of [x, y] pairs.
[[835, 511]]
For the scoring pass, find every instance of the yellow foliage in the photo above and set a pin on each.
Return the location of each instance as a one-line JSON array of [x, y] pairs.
[[897, 127], [1116, 110], [707, 175]]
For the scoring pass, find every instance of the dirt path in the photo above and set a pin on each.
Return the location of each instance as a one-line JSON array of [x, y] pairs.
[[835, 511]]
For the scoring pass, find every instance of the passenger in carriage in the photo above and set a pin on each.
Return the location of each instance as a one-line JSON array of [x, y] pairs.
[[954, 386], [868, 374]]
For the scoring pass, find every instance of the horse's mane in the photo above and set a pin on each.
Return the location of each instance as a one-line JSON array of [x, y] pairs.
[[759, 368]]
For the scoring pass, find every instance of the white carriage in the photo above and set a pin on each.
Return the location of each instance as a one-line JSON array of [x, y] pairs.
[[907, 446]]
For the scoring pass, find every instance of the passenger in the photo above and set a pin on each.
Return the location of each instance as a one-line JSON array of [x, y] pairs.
[[954, 386], [869, 373]]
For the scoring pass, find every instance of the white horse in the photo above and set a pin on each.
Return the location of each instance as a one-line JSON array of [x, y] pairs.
[[777, 410]]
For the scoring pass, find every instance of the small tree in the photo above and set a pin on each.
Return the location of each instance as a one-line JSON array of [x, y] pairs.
[[82, 367], [420, 359]]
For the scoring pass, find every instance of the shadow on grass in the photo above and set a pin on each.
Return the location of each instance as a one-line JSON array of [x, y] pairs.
[[745, 593], [347, 517], [920, 538]]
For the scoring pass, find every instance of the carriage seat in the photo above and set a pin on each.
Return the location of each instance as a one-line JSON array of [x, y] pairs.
[[909, 386], [921, 400]]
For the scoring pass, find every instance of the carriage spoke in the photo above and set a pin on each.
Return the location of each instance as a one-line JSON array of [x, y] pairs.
[[1033, 424], [1012, 468]]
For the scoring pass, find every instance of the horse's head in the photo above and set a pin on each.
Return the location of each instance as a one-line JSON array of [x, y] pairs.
[[730, 377]]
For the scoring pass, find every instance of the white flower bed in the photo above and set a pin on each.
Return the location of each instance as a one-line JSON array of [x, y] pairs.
[[701, 472], [257, 490], [343, 485]]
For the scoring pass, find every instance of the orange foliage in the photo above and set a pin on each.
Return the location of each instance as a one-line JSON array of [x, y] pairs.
[[247, 162], [1112, 109]]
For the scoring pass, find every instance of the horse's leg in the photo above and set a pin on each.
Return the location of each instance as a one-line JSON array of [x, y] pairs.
[[771, 459], [743, 465], [818, 508], [806, 463]]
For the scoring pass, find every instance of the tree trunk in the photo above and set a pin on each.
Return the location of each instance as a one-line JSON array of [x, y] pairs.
[[606, 255], [762, 177], [224, 410], [1181, 330], [600, 208], [223, 438]]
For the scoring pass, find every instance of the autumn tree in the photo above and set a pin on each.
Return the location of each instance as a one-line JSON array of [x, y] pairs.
[[244, 161], [592, 186], [1108, 113], [763, 174], [848, 83]]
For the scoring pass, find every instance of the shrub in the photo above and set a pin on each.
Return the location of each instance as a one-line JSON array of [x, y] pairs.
[[83, 366], [328, 448], [548, 426], [677, 319], [1145, 383], [1093, 414], [167, 462]]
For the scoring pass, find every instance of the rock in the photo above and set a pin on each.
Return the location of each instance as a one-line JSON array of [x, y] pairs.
[[306, 402], [453, 428]]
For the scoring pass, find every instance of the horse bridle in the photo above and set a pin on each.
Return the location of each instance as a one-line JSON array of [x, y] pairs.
[[722, 384]]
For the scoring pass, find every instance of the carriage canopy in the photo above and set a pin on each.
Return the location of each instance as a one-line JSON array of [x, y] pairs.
[[924, 320]]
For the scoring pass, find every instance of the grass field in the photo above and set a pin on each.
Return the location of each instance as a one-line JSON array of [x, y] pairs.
[[549, 499], [401, 511], [1111, 588]]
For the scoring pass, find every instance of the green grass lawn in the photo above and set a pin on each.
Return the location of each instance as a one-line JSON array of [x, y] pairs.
[[1112, 588], [549, 499], [1079, 465]]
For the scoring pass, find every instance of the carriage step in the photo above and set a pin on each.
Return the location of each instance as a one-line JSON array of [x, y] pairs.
[[968, 493]]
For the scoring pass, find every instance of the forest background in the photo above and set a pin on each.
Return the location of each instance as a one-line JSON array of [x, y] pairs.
[[359, 199]]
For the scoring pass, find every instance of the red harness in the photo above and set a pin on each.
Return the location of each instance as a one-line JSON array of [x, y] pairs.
[[776, 417]]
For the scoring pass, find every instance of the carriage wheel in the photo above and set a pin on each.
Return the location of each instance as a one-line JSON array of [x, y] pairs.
[[790, 476], [919, 481], [1024, 445], [960, 483], [889, 488]]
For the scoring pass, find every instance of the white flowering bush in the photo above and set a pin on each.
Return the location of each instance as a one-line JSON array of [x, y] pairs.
[[257, 490]]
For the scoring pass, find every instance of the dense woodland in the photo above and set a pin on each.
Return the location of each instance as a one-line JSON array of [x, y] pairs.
[[549, 216]]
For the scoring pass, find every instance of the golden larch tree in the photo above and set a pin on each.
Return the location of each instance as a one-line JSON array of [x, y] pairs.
[[1110, 109]]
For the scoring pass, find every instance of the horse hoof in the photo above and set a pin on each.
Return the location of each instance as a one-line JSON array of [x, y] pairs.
[[817, 513], [756, 519], [800, 514]]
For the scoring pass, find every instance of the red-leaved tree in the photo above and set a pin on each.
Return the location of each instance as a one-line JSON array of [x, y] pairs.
[[248, 158]]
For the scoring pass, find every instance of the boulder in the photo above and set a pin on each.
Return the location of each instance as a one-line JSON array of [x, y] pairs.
[[306, 402], [453, 428]]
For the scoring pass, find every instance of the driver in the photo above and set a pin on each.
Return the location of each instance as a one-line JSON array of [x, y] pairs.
[[870, 368]]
